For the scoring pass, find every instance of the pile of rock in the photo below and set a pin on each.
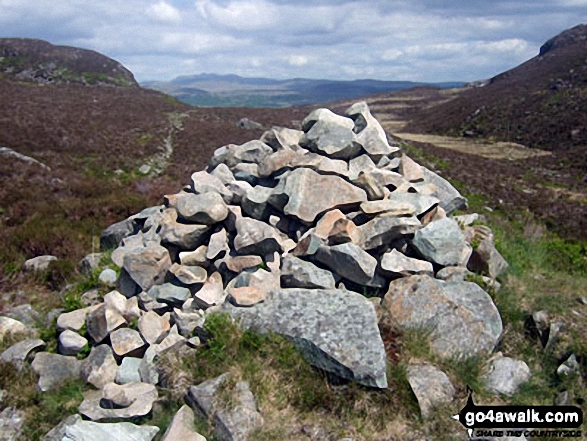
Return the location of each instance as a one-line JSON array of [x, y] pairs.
[[286, 234]]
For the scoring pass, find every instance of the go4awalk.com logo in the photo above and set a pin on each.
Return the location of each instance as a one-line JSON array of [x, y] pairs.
[[528, 421]]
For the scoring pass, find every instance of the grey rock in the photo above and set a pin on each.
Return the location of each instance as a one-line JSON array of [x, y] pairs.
[[253, 151], [450, 199], [144, 169], [569, 367], [281, 138], [119, 402], [103, 320], [297, 273], [90, 431], [397, 263], [485, 257], [311, 194], [22, 352], [453, 274], [350, 261], [388, 207], [11, 424], [443, 242], [74, 320], [108, 277], [203, 182], [129, 371], [58, 432], [185, 237], [256, 237], [154, 327], [71, 343], [39, 264], [459, 317], [505, 375], [206, 208], [25, 314], [100, 367], [182, 427], [370, 134], [147, 266], [202, 398], [384, 229], [431, 386], [222, 172], [194, 258], [212, 293], [255, 202], [53, 369], [218, 245], [555, 331], [331, 135], [247, 124], [359, 164], [127, 342], [188, 275], [421, 203], [10, 326], [170, 294], [90, 263], [187, 322], [113, 235], [335, 330]]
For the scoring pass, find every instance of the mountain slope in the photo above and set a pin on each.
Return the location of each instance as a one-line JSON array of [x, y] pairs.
[[43, 62], [233, 90], [541, 103]]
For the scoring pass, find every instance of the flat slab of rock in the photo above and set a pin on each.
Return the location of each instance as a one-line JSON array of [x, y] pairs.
[[335, 330], [460, 318], [39, 263], [100, 367], [431, 386], [89, 431], [505, 375], [119, 402], [384, 229], [54, 369], [350, 261], [297, 273], [22, 352], [127, 342], [170, 294], [450, 199], [397, 263], [311, 194], [370, 134], [443, 242]]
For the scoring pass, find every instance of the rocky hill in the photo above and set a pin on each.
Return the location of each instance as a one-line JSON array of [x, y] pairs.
[[42, 62], [541, 103]]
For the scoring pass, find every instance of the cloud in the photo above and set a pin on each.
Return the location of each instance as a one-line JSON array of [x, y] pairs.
[[423, 40], [164, 12]]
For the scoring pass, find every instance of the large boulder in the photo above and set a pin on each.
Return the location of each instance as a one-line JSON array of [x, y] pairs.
[[335, 330], [459, 318], [116, 402], [54, 369], [82, 430]]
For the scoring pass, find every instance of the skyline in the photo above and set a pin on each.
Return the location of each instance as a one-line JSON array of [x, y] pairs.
[[328, 39]]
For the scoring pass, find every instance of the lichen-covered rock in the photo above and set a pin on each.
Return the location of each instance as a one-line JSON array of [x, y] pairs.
[[504, 375], [297, 273], [335, 330], [53, 369], [431, 386], [443, 243]]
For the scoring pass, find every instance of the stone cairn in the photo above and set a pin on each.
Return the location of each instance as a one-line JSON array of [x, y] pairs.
[[289, 234]]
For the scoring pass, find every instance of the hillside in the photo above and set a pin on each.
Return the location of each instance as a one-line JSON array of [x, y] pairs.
[[541, 103], [42, 62], [233, 90]]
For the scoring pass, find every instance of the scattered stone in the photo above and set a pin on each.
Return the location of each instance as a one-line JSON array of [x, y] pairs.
[[154, 327], [570, 366], [22, 352], [459, 317], [10, 326], [335, 330], [100, 367], [203, 182], [73, 320], [384, 229], [505, 375], [71, 343], [113, 235], [297, 273], [119, 402], [397, 263], [128, 371], [108, 277], [431, 386], [485, 258], [182, 427], [388, 207], [39, 264], [187, 322], [145, 169], [555, 329], [58, 432], [53, 369], [247, 124], [89, 263], [127, 342], [89, 431], [443, 243], [11, 424], [450, 199]]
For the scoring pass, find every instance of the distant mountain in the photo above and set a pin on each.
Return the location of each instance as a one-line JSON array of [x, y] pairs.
[[541, 103], [233, 90], [42, 62]]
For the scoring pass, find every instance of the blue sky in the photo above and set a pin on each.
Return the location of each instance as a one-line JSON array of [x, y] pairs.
[[419, 40]]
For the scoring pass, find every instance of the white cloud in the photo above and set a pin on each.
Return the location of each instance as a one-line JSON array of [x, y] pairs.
[[297, 60], [164, 12]]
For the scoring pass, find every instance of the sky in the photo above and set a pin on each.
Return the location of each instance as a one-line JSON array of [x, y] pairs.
[[418, 40]]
